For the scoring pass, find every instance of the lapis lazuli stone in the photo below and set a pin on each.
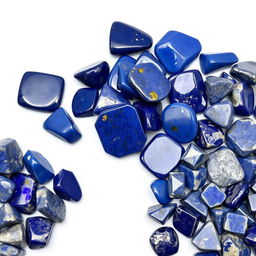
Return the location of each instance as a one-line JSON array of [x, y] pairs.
[[252, 202], [11, 157], [180, 122], [120, 131], [149, 82], [84, 102], [66, 186], [209, 135], [95, 75], [185, 221], [155, 161], [61, 125], [250, 236], [207, 254], [160, 189], [228, 76], [164, 241], [211, 62], [249, 166], [125, 39], [9, 250], [6, 189], [38, 166], [177, 50], [176, 184], [188, 87], [244, 210], [24, 196], [38, 232], [150, 115], [235, 223], [41, 91], [9, 216]]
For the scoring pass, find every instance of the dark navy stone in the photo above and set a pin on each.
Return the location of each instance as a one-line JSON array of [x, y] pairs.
[[177, 50], [149, 82], [180, 122], [253, 184], [61, 125], [66, 186], [120, 131], [249, 166], [95, 75], [164, 241], [84, 101], [9, 216], [24, 196], [41, 91], [161, 192], [157, 162], [228, 76], [252, 202], [38, 232], [9, 250], [176, 184], [235, 223], [244, 210], [209, 135], [188, 87], [6, 189], [207, 254], [125, 39], [250, 236]]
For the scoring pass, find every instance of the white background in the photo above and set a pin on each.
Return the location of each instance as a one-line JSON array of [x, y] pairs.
[[60, 37]]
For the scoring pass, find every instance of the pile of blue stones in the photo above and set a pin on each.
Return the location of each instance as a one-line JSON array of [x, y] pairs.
[[24, 193], [204, 164]]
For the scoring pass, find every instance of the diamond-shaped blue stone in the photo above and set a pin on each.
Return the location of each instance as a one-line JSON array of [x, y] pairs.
[[176, 184]]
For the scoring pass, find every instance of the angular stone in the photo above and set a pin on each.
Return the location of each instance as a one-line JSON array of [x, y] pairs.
[[13, 236], [244, 210], [250, 236], [176, 184], [9, 250], [235, 223], [252, 202], [249, 166], [9, 216], [6, 189], [160, 189], [228, 76]]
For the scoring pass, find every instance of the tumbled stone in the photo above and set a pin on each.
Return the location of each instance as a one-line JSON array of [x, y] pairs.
[[228, 76], [13, 236], [176, 184], [9, 216], [9, 250], [249, 166], [160, 189], [252, 202], [243, 209], [250, 236], [207, 254], [6, 189], [235, 223]]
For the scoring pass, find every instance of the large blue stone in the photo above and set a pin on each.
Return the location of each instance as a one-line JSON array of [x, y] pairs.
[[41, 91], [176, 184], [126, 39], [9, 216], [188, 87], [9, 250], [120, 131], [249, 166], [155, 161], [180, 122], [160, 189], [6, 189], [244, 210], [235, 223], [177, 50], [250, 236]]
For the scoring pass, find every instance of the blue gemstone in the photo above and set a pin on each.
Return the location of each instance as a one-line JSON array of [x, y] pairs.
[[188, 87], [6, 189], [95, 75], [211, 62], [235, 223], [126, 39], [61, 125], [177, 50], [150, 82], [160, 190], [9, 216], [249, 166], [185, 221], [209, 135], [38, 166], [250, 236], [66, 186], [24, 196], [11, 157], [120, 131], [9, 250], [207, 254], [164, 241], [150, 115], [244, 210], [228, 76], [84, 102], [38, 232], [180, 122], [41, 91], [176, 184], [155, 161], [252, 202]]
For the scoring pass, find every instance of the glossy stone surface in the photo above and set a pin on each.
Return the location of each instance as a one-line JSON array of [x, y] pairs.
[[9, 216], [150, 115], [61, 125], [160, 189], [6, 189], [66, 186], [211, 62], [250, 236], [188, 87], [180, 122], [177, 50], [38, 232], [50, 205], [38, 166], [223, 167], [241, 137], [9, 250], [221, 114], [84, 101], [249, 166], [176, 184], [24, 196], [94, 75], [126, 39], [164, 241], [244, 210], [209, 135], [217, 88], [149, 82], [228, 76], [120, 131], [41, 91], [11, 157], [252, 202], [206, 239], [161, 213], [235, 223], [155, 161]]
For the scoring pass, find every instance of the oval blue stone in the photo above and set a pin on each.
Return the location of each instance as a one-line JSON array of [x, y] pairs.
[[160, 190]]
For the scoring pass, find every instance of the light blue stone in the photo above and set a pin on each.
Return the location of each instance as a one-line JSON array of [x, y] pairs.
[[249, 166], [252, 202], [235, 223], [176, 184], [6, 189], [160, 189], [9, 216]]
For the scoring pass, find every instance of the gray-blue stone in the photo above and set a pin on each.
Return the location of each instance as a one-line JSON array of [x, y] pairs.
[[9, 216], [9, 250], [244, 210], [252, 202], [6, 189], [176, 184], [235, 223], [13, 235]]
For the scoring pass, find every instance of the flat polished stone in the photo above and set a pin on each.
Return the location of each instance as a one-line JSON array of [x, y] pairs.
[[176, 184], [235, 223], [252, 202], [160, 189], [9, 216], [249, 166], [6, 189], [9, 250]]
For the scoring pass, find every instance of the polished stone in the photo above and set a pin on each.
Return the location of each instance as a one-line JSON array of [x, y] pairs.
[[120, 131], [228, 76], [235, 223], [177, 50], [9, 216], [155, 161], [244, 210], [161, 192], [9, 250], [252, 202], [207, 254], [250, 236], [6, 189], [176, 184], [253, 184], [61, 125], [249, 166]]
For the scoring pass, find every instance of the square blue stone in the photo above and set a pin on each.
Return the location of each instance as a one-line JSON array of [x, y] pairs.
[[235, 223]]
